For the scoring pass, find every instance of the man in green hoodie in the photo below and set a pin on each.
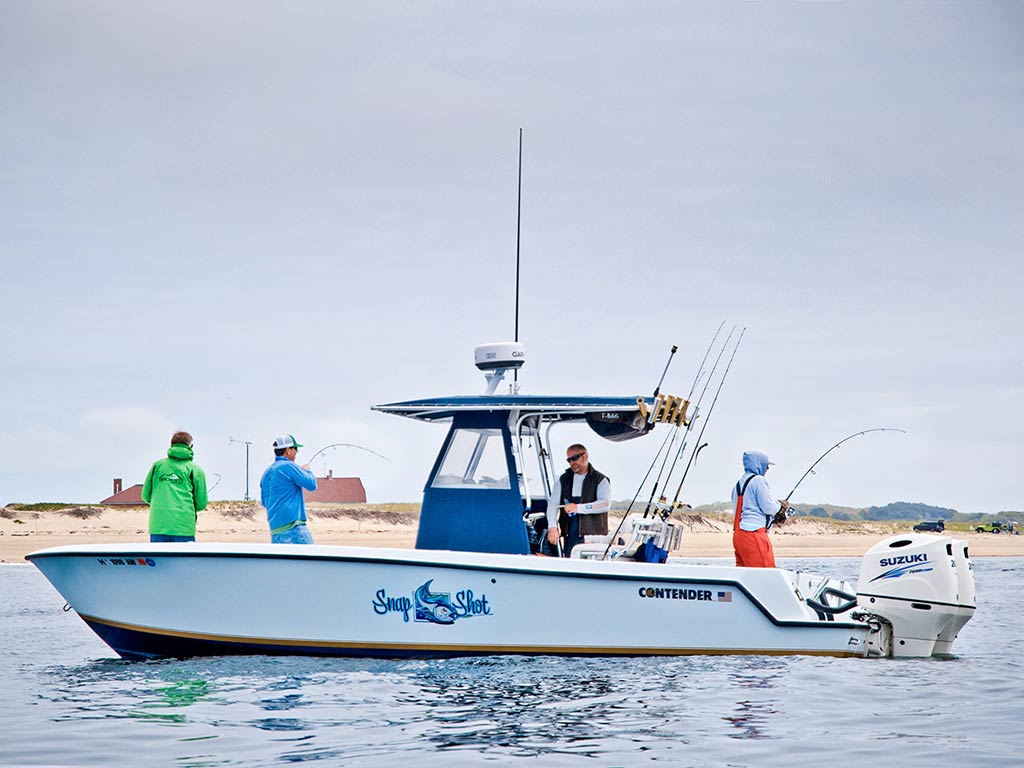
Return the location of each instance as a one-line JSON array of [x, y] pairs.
[[175, 490]]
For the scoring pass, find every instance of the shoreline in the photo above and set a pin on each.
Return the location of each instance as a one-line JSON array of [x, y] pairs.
[[394, 526]]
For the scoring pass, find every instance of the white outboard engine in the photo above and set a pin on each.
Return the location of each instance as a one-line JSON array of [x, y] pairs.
[[965, 599], [913, 583]]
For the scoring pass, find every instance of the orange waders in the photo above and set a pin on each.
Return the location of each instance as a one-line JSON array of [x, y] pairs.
[[753, 548]]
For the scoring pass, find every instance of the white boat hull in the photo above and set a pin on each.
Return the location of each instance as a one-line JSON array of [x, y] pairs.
[[153, 600]]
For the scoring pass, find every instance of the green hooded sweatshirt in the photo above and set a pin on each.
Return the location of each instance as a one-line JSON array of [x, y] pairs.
[[175, 490]]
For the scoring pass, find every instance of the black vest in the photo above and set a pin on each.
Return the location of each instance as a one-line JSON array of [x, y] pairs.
[[590, 525]]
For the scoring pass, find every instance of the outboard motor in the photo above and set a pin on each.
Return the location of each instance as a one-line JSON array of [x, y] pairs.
[[912, 582], [965, 598]]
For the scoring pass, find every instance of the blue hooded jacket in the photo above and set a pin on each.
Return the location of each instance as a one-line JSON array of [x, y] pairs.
[[759, 506]]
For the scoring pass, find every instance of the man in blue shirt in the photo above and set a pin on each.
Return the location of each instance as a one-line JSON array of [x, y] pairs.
[[281, 493]]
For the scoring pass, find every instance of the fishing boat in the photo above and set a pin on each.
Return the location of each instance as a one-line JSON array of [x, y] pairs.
[[475, 584]]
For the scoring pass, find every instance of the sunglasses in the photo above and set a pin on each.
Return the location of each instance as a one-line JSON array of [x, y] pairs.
[[575, 457]]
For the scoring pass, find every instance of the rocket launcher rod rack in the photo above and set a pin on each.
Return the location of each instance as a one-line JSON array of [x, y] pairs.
[[667, 409]]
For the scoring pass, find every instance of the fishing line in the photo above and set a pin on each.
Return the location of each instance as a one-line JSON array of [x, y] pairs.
[[789, 511], [344, 445], [810, 469]]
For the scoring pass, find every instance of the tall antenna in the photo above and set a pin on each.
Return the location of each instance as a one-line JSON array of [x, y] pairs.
[[519, 209], [247, 444]]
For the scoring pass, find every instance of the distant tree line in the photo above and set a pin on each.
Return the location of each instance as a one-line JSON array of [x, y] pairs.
[[897, 510]]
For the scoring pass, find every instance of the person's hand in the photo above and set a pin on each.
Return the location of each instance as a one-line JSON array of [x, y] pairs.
[[781, 517], [553, 536], [306, 467], [570, 509]]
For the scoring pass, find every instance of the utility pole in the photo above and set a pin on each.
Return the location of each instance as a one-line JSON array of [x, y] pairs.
[[246, 443]]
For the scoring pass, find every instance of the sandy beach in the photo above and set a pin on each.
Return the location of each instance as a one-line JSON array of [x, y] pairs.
[[394, 525]]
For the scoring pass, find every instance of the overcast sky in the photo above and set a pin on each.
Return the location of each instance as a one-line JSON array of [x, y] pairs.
[[243, 219]]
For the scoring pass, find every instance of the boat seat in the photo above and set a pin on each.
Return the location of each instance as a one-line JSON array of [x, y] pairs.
[[589, 550]]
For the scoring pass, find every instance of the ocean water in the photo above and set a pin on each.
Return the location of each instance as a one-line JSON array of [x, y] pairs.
[[66, 699]]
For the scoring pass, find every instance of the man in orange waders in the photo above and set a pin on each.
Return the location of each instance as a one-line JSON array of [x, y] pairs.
[[755, 510]]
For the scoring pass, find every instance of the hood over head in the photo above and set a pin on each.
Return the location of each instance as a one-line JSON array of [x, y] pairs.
[[755, 461], [180, 452]]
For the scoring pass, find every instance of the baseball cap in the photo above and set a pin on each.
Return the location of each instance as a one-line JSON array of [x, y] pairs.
[[286, 441]]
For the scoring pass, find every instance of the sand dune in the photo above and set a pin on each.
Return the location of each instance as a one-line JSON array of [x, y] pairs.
[[394, 525]]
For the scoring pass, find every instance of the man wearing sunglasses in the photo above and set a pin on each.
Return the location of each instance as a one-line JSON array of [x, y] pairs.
[[584, 500]]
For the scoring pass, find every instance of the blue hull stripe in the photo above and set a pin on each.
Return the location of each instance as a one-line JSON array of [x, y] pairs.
[[133, 642]]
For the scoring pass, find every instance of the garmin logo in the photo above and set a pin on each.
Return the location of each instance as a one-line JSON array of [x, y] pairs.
[[494, 355], [904, 560]]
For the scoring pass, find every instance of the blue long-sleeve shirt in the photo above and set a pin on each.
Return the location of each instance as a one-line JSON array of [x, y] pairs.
[[759, 506], [281, 493]]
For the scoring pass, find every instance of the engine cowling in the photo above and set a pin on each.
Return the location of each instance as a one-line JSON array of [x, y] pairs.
[[965, 599], [913, 582]]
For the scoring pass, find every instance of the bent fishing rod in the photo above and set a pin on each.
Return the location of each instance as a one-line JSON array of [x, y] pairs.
[[344, 445], [810, 469]]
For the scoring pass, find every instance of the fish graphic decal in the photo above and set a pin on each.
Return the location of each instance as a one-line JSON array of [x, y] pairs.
[[434, 607]]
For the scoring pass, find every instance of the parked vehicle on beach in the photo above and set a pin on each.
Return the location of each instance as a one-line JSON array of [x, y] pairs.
[[936, 526], [997, 526]]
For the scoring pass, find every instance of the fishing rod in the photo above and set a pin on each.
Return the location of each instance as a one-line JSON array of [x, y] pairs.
[[696, 411], [640, 487], [700, 371], [671, 354], [345, 445], [708, 417], [810, 469], [673, 434]]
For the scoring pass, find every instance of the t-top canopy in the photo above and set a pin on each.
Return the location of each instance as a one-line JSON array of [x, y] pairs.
[[572, 408]]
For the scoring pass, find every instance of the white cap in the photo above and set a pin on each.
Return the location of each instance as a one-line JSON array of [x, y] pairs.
[[286, 441]]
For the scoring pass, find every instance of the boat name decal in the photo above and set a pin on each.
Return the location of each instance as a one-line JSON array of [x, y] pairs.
[[904, 564], [700, 595], [126, 561], [432, 607]]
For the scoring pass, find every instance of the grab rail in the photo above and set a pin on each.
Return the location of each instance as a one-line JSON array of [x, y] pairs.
[[832, 610]]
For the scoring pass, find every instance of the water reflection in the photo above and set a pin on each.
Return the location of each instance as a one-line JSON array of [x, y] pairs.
[[750, 719], [760, 673]]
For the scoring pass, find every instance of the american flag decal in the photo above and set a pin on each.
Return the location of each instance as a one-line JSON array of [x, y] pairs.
[[725, 597]]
